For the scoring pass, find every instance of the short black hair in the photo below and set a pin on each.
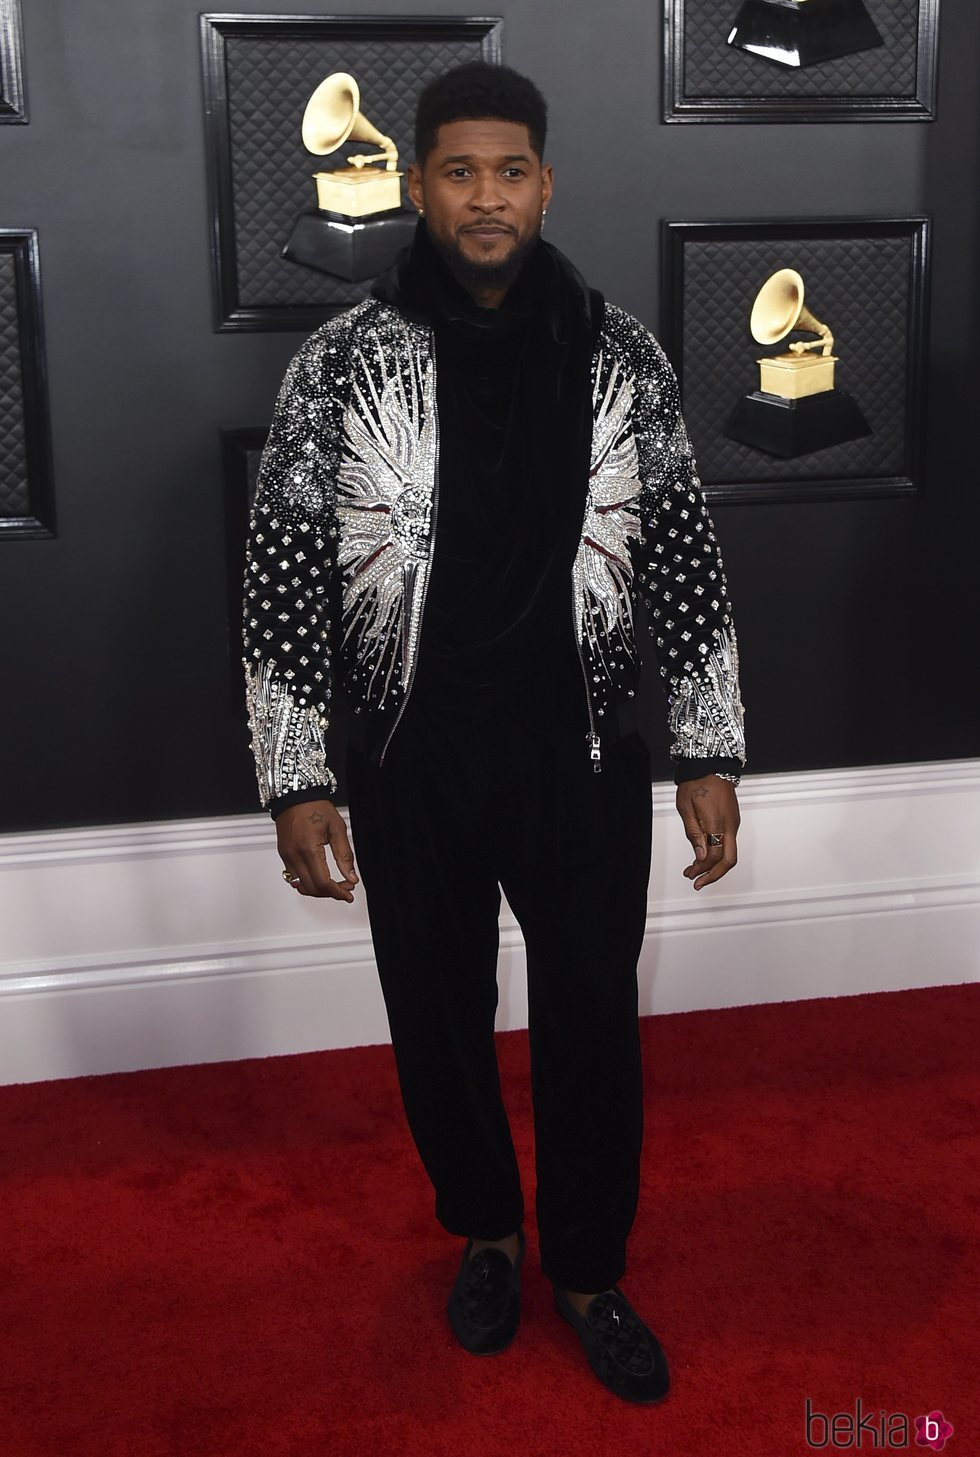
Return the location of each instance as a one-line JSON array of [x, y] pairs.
[[478, 89]]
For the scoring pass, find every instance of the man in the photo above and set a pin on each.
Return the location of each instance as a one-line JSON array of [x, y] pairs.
[[471, 478]]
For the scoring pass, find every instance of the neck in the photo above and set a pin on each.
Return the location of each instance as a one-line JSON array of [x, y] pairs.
[[487, 298]]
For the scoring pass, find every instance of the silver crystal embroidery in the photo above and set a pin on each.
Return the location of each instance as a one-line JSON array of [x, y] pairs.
[[287, 739], [384, 505], [706, 713], [603, 567]]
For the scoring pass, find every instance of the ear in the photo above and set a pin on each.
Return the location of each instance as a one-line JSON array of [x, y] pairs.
[[415, 190], [546, 185]]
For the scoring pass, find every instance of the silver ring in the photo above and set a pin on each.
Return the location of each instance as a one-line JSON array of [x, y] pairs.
[[714, 839]]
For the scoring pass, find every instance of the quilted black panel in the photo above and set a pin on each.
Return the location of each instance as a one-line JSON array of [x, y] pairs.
[[714, 68], [270, 80], [14, 495], [859, 287]]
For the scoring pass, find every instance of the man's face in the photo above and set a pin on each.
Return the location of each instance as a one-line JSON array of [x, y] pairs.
[[483, 190]]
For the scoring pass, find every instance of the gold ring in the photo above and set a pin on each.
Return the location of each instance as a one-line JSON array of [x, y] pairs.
[[288, 875]]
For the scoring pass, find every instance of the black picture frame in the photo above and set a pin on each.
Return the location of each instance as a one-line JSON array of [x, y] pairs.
[[13, 95], [825, 92], [233, 312], [704, 313], [26, 473]]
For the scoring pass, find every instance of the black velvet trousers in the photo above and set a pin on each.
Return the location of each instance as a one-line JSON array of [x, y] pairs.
[[472, 797]]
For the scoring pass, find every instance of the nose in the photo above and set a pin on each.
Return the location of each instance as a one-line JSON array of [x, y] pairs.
[[486, 198]]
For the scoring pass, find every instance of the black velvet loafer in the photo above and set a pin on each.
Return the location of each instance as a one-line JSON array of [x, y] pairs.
[[622, 1351], [485, 1303]]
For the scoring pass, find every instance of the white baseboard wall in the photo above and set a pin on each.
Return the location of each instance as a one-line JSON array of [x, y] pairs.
[[161, 944]]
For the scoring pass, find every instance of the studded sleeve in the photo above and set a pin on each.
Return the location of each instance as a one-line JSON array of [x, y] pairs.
[[289, 570], [680, 572]]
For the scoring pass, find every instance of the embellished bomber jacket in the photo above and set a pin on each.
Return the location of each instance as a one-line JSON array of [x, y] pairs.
[[342, 527]]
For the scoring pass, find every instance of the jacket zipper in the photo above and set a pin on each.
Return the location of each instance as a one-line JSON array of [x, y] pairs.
[[592, 738], [432, 542]]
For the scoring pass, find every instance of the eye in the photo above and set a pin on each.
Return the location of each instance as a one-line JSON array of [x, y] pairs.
[[457, 171]]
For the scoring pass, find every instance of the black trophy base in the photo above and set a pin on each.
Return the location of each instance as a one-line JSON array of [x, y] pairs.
[[795, 427], [346, 247], [802, 35]]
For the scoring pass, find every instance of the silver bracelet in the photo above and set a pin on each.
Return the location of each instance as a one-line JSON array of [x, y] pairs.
[[735, 779]]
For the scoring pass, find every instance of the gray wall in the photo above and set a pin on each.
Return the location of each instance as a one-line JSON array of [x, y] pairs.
[[857, 620]]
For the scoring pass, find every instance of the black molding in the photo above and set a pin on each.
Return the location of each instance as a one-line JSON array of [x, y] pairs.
[[13, 97], [230, 316], [23, 244], [677, 107], [918, 229]]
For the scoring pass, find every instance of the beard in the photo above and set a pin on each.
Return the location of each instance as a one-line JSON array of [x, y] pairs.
[[475, 275]]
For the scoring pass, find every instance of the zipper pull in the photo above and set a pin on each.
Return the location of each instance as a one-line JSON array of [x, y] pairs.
[[595, 753]]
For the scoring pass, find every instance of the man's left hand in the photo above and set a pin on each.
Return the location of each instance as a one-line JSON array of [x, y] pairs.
[[709, 806]]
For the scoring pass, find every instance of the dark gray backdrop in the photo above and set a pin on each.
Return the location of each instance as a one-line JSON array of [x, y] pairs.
[[857, 620]]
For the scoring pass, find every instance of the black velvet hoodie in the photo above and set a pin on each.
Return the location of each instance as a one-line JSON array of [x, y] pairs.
[[513, 393]]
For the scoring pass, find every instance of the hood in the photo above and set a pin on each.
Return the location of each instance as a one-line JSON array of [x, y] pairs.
[[422, 286]]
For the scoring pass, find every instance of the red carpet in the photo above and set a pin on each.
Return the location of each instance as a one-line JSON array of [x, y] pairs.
[[241, 1260]]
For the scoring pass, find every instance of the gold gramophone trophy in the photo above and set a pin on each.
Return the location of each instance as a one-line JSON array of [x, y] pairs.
[[358, 224], [803, 32], [797, 407]]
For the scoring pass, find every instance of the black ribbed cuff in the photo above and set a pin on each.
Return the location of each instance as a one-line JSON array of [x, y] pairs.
[[685, 769], [298, 796]]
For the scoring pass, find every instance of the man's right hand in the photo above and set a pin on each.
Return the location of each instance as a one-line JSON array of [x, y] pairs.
[[304, 831]]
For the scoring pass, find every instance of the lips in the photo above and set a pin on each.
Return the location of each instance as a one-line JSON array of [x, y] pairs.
[[489, 231]]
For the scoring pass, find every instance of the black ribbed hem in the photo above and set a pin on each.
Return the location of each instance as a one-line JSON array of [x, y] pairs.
[[685, 769], [298, 796]]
